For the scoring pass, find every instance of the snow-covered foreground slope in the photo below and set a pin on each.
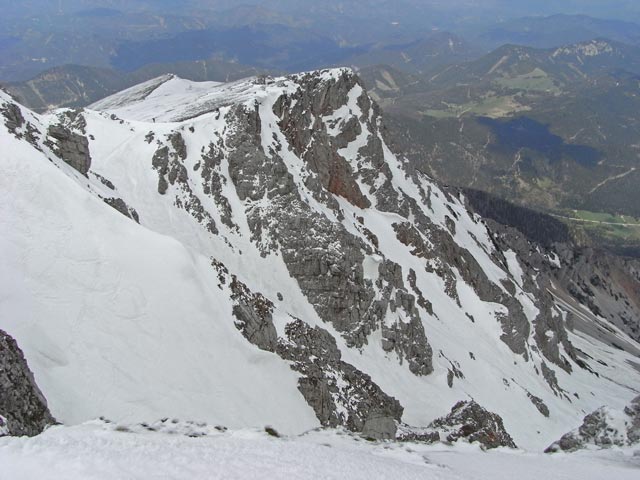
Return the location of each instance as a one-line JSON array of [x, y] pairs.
[[270, 260], [96, 452], [118, 315]]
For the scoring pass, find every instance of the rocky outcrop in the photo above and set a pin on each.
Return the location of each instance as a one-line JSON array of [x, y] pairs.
[[380, 427], [539, 404], [121, 206], [168, 162], [13, 118], [17, 124], [538, 275], [339, 393], [23, 408], [253, 311], [467, 421], [214, 181], [254, 314], [471, 422], [632, 411], [603, 428], [320, 254], [4, 427], [406, 337], [445, 256], [409, 433], [67, 140]]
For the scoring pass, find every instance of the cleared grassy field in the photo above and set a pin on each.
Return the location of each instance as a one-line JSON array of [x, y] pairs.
[[535, 81], [490, 106], [607, 226]]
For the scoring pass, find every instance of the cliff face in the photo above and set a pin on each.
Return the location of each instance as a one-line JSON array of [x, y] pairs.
[[278, 224]]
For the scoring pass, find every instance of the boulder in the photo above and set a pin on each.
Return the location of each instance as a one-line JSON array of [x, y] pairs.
[[380, 427]]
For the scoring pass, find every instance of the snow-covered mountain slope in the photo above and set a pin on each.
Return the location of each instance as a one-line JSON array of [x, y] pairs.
[[165, 98], [270, 260], [117, 319]]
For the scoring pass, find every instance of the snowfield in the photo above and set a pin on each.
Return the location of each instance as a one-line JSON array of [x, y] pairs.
[[97, 451]]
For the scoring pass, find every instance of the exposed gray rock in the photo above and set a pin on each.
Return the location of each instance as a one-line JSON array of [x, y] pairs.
[[23, 408], [253, 173], [4, 427], [253, 311], [339, 393], [160, 162], [633, 427], [550, 330], [328, 267], [168, 161], [407, 433], [214, 181], [179, 147], [254, 316], [445, 255], [67, 139], [18, 126], [603, 428], [105, 181], [380, 428], [608, 285], [594, 430], [471, 422], [539, 404], [122, 207], [407, 339], [467, 421], [325, 259], [13, 118], [551, 379], [71, 147]]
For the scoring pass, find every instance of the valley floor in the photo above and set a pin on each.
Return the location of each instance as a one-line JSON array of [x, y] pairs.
[[98, 450]]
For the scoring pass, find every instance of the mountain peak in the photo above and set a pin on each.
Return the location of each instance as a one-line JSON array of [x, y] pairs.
[[273, 260]]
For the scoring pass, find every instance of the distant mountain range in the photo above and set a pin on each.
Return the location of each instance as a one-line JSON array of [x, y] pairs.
[[562, 66], [78, 86], [556, 129], [436, 50], [556, 30]]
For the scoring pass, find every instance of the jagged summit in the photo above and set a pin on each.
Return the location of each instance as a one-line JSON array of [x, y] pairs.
[[260, 255]]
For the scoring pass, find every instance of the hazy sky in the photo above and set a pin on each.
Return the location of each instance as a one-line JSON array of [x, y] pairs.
[[614, 8]]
